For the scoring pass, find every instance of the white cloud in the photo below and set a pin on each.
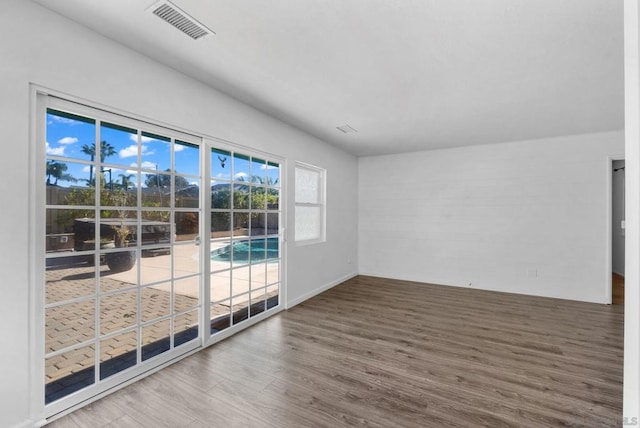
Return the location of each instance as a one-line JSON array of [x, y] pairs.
[[134, 138], [241, 175], [55, 151], [129, 152], [68, 140], [178, 147], [133, 151], [86, 168], [146, 165]]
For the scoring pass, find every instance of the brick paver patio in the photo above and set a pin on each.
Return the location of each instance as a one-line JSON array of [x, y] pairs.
[[75, 323]]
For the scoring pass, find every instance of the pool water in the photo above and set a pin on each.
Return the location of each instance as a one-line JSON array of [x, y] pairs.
[[248, 251]]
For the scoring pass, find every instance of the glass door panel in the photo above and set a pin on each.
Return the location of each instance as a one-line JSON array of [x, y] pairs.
[[245, 239], [122, 269]]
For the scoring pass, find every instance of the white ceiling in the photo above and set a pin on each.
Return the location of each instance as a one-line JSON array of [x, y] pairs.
[[407, 74]]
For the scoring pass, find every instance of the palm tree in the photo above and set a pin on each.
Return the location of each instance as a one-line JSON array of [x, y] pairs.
[[90, 151], [126, 181], [106, 150], [57, 170]]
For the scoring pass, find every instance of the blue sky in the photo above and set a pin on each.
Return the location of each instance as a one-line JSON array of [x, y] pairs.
[[66, 137]]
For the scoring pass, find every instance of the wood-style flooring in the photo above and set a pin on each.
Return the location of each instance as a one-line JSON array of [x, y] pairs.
[[384, 353]]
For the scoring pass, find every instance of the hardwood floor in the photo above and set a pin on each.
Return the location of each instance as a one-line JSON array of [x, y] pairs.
[[386, 353]]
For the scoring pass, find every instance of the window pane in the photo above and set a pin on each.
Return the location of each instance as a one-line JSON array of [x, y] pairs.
[[220, 224], [185, 327], [273, 174], [272, 224], [69, 324], [307, 186], [220, 164], [68, 183], [258, 224], [258, 198], [220, 195], [111, 280], [70, 230], [187, 158], [69, 278], [156, 152], [240, 308], [220, 316], [155, 265], [69, 372], [273, 296], [241, 224], [220, 286], [257, 302], [118, 311], [187, 226], [70, 136], [240, 281], [308, 223], [186, 294], [258, 171], [273, 271], [241, 168], [156, 190], [155, 339], [273, 199], [156, 231], [117, 353], [118, 146], [186, 260], [112, 194], [155, 302], [187, 194], [241, 196]]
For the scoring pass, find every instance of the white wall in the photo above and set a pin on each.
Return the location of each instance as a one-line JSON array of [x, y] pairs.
[[524, 217], [41, 47], [631, 403], [617, 215]]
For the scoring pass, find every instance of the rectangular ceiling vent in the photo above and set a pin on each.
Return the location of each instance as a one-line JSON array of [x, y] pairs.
[[172, 14], [347, 129]]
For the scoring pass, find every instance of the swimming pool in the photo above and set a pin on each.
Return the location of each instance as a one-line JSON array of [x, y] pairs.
[[249, 250]]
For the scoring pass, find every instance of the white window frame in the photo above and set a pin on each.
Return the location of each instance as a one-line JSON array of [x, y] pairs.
[[322, 183]]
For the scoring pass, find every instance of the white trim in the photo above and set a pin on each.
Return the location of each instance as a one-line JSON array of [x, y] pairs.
[[426, 281], [321, 289]]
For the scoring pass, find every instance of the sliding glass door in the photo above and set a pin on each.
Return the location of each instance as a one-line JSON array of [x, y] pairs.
[[150, 243], [122, 271], [245, 237]]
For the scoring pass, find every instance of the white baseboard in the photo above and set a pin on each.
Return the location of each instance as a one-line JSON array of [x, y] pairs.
[[477, 287], [306, 296]]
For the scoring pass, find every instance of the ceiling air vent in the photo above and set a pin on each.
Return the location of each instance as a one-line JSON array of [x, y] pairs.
[[172, 14], [347, 129]]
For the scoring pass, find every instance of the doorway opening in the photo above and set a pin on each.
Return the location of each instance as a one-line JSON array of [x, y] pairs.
[[617, 231]]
